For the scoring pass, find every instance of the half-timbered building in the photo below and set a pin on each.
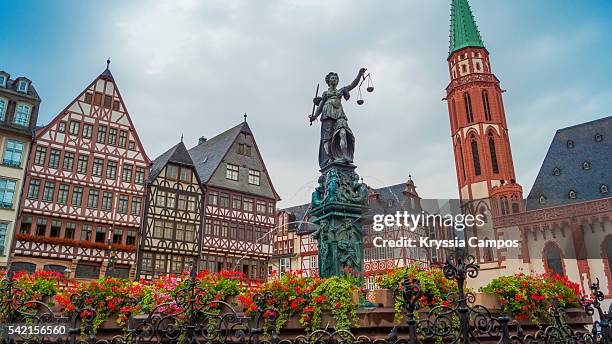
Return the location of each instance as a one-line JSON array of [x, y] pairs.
[[237, 209], [84, 189], [171, 230], [19, 104]]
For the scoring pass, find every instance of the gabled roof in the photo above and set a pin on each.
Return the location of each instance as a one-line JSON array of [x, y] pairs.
[[463, 29], [208, 155], [579, 159], [176, 155]]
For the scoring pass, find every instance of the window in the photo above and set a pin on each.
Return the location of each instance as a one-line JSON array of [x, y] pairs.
[[248, 205], [40, 155], [70, 229], [475, 157], [554, 264], [112, 136], [586, 165], [254, 177], [186, 175], [189, 232], [244, 149], [100, 234], [34, 188], [130, 238], [98, 165], [88, 97], [122, 138], [23, 86], [122, 205], [87, 130], [87, 271], [468, 107], [192, 203], [22, 115], [26, 225], [7, 193], [108, 100], [41, 227], [74, 128], [603, 189], [136, 205], [494, 164], [2, 81], [160, 263], [111, 169], [30, 268], [68, 163], [82, 164], [570, 144], [224, 200], [56, 226], [213, 198], [261, 207], [107, 200], [54, 158], [485, 103], [180, 232], [556, 171], [171, 171], [176, 264], [13, 153], [236, 203], [170, 200], [2, 107], [86, 232], [118, 272], [224, 229], [160, 198], [147, 261], [182, 202], [97, 99], [285, 266], [92, 198], [231, 172], [598, 137], [126, 173], [62, 194], [77, 196], [571, 194], [61, 127], [158, 229], [216, 228], [101, 137], [132, 145], [48, 191], [116, 104], [139, 177]]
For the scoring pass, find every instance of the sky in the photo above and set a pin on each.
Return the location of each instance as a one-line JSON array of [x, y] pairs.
[[194, 68]]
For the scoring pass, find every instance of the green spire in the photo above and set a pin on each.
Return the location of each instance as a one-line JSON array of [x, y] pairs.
[[463, 29]]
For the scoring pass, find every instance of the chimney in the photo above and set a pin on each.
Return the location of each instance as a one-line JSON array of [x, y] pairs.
[[201, 140]]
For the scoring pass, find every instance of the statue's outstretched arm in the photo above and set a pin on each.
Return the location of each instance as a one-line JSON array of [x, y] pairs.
[[356, 81]]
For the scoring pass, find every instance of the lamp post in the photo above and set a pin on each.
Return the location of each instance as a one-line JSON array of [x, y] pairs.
[[112, 258]]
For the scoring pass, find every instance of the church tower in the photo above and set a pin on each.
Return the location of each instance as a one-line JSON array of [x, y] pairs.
[[479, 131]]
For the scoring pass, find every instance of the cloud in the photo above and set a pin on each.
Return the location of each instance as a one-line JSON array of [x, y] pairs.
[[194, 68]]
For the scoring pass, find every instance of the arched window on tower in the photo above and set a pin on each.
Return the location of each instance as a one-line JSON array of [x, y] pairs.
[[460, 148], [485, 103], [494, 164], [554, 263], [468, 107], [475, 156]]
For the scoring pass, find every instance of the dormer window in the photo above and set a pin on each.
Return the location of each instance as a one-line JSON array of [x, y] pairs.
[[570, 144], [542, 199], [2, 81], [390, 203], [556, 172], [571, 194], [598, 137], [2, 109], [22, 86], [603, 189], [586, 165]]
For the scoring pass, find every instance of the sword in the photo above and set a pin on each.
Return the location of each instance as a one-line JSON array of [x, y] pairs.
[[314, 105]]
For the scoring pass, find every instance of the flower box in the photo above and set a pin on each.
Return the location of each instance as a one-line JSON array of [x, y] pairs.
[[383, 297], [487, 300]]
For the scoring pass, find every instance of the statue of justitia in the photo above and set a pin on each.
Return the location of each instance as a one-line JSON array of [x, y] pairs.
[[337, 142]]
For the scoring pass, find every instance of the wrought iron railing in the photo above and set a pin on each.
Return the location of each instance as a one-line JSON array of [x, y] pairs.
[[200, 321]]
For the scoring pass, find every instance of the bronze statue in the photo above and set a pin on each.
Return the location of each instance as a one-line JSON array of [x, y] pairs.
[[337, 142]]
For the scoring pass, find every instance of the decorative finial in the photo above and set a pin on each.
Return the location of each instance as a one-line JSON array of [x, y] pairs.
[[108, 63], [181, 137], [245, 116]]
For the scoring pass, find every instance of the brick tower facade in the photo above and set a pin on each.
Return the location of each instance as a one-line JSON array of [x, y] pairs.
[[483, 159]]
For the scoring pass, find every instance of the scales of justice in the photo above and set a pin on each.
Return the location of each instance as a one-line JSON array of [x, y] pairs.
[[339, 200]]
